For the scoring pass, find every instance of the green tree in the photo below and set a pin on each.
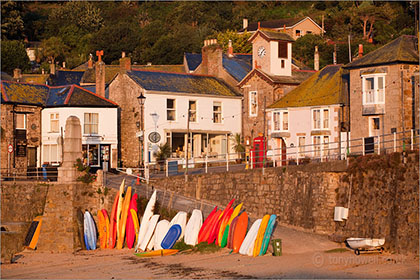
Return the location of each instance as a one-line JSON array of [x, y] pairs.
[[12, 25], [53, 49], [13, 55], [240, 42]]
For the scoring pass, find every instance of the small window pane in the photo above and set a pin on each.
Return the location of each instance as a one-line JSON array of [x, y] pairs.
[[326, 118], [21, 121], [170, 109], [285, 121], [217, 112]]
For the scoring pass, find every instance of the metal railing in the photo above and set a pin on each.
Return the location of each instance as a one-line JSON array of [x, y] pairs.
[[46, 174]]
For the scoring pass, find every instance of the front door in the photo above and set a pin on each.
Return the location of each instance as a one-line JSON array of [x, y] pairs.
[[105, 157], [31, 156], [283, 152]]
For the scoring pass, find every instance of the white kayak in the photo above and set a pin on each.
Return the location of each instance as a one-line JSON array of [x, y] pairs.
[[193, 227], [160, 233], [148, 213], [365, 243], [249, 241], [179, 219], [150, 230]]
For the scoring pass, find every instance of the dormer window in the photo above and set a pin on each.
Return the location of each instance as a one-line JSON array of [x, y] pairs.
[[282, 49]]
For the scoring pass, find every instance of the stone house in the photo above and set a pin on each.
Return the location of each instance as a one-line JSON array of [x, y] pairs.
[[295, 27], [384, 95], [214, 106], [310, 120], [272, 76], [33, 117]]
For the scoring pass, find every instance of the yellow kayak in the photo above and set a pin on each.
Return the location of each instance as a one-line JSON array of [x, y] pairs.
[[157, 253]]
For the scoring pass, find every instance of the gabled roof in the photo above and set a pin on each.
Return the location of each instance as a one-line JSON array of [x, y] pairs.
[[237, 66], [193, 60], [34, 78], [271, 35], [181, 83], [48, 96], [404, 49], [65, 77], [89, 75], [275, 24], [298, 76], [326, 87]]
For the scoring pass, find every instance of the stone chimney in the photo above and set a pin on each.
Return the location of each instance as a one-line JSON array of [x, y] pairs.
[[211, 55], [64, 64], [125, 63], [52, 68], [245, 23], [230, 49], [17, 74], [90, 61], [316, 59], [360, 50], [100, 74], [42, 71]]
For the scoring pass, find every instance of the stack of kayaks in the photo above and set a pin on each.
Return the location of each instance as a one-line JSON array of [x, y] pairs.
[[151, 237]]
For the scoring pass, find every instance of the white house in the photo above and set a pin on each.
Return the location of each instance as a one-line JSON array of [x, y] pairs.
[[215, 114], [98, 118], [309, 120]]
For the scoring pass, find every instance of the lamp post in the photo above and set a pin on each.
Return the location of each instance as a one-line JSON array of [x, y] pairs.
[[141, 99]]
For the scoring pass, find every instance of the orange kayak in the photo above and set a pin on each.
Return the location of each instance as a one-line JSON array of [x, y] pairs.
[[215, 231], [205, 225], [162, 252], [123, 221], [223, 225], [113, 223], [103, 230], [260, 235], [212, 225], [240, 231]]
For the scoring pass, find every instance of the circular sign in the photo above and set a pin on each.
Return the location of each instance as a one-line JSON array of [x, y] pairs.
[[10, 148], [154, 137]]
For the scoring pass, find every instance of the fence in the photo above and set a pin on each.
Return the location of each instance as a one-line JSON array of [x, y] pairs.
[[32, 174]]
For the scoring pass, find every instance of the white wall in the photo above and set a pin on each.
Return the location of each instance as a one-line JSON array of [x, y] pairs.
[[156, 103], [107, 126], [275, 61]]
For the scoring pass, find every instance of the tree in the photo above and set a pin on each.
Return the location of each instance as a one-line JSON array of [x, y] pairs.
[[53, 48], [237, 145], [13, 55], [240, 42], [11, 20]]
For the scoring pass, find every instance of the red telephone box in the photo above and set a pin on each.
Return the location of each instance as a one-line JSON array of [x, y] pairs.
[[259, 152]]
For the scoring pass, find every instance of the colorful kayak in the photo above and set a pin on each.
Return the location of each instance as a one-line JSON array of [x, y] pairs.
[[90, 231], [113, 223], [160, 232], [193, 227], [235, 213], [260, 235], [231, 232], [80, 226], [171, 237], [130, 228], [267, 234], [148, 213], [205, 225], [213, 227], [157, 253], [223, 225], [149, 233], [119, 206], [107, 224], [123, 221], [240, 232], [103, 230], [136, 223], [215, 231], [33, 234], [249, 240], [180, 219]]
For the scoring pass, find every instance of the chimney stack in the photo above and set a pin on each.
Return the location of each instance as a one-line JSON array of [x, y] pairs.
[[284, 27], [259, 25], [230, 49], [211, 58], [125, 63], [360, 50], [42, 71], [64, 64], [245, 23], [100, 74], [335, 54], [17, 74], [316, 59], [52, 68], [90, 62]]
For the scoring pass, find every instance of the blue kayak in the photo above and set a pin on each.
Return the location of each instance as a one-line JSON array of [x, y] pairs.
[[171, 237]]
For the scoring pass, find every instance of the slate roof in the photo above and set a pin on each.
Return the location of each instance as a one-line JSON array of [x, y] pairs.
[[193, 60], [89, 75], [278, 23], [326, 87], [404, 49], [298, 76], [272, 35], [65, 77], [49, 96], [34, 78], [182, 83], [166, 68]]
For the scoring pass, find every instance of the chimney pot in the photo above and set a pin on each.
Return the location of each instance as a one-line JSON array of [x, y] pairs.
[[52, 68], [17, 73], [245, 23], [42, 71], [316, 59], [259, 25], [230, 49], [90, 62], [360, 50], [64, 64], [149, 64], [122, 54]]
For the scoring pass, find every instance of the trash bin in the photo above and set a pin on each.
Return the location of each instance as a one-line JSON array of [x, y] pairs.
[[276, 247], [44, 171]]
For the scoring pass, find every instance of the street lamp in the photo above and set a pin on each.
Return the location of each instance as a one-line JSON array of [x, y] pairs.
[[141, 99]]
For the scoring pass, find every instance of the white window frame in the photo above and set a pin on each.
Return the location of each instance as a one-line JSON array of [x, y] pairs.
[[301, 148], [374, 132], [375, 91], [321, 118], [193, 111], [281, 121], [25, 121], [251, 101], [319, 150], [54, 117], [89, 124], [221, 112], [171, 109], [47, 153]]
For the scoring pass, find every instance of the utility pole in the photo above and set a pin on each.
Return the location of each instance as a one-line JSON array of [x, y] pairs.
[[188, 140], [349, 50], [264, 134]]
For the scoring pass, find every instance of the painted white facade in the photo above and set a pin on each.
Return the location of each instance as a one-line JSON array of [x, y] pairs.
[[218, 133], [107, 132], [276, 62], [301, 125]]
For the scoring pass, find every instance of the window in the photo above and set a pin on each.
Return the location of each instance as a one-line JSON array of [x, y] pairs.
[[50, 153], [282, 63], [282, 49], [308, 32], [301, 143], [20, 121], [298, 34], [170, 109], [54, 122], [217, 112], [253, 103], [325, 146], [91, 123], [320, 119], [316, 141], [320, 147], [192, 106], [373, 89], [280, 121], [90, 154], [374, 126]]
